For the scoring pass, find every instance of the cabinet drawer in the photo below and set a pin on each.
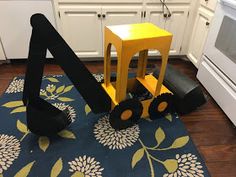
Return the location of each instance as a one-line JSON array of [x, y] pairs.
[[168, 1], [100, 1], [210, 4]]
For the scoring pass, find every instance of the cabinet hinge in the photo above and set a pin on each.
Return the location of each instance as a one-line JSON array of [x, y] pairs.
[[59, 14]]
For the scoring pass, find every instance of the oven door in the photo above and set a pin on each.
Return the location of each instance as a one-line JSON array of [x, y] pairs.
[[220, 47]]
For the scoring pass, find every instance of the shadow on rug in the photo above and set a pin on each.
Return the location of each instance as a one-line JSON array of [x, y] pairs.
[[90, 147]]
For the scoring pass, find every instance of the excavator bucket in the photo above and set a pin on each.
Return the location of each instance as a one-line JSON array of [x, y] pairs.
[[42, 117]]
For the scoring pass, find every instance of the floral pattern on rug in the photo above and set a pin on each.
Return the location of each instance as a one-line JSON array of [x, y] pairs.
[[63, 106], [90, 147], [9, 151], [187, 166], [16, 86], [86, 166], [115, 139]]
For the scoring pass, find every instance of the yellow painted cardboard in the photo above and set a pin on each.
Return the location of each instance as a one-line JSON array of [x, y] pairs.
[[129, 40]]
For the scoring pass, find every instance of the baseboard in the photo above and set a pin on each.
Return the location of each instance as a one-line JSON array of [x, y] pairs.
[[97, 59]]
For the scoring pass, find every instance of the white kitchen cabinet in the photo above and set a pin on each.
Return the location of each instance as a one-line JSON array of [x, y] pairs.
[[82, 22], [178, 16], [15, 28], [113, 15], [199, 35], [168, 1], [210, 4], [100, 1], [82, 26], [82, 29], [154, 14], [176, 25], [121, 15], [2, 55]]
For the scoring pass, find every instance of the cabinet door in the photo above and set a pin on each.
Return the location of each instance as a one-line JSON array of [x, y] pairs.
[[155, 15], [211, 4], [81, 28], [168, 1], [113, 15], [15, 28], [199, 35], [2, 55], [176, 25]]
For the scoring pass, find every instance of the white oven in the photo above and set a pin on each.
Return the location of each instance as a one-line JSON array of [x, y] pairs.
[[217, 71]]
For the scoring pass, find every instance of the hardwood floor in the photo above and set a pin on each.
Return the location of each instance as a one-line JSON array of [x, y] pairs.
[[212, 132]]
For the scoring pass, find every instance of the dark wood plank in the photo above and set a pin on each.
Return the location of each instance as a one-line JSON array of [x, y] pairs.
[[211, 130], [3, 85], [222, 169], [219, 153]]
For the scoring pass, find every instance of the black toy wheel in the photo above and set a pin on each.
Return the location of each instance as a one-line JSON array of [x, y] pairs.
[[161, 105], [126, 114]]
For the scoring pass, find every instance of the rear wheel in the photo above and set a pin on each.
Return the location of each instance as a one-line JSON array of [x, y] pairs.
[[161, 105], [126, 114]]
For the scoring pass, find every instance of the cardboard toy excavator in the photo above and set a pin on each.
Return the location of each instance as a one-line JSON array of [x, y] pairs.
[[45, 119]]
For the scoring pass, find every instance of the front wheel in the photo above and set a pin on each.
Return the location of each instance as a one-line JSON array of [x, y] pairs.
[[161, 105], [126, 114]]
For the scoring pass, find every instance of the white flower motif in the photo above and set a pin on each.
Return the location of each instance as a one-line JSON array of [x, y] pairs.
[[58, 75], [9, 151], [187, 166], [98, 77], [49, 92], [86, 165], [115, 139], [43, 92], [50, 87], [63, 106], [16, 86]]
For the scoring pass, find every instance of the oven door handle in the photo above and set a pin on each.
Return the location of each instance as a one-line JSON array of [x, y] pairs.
[[230, 3]]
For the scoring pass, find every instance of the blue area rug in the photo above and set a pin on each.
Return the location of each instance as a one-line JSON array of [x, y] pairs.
[[90, 147]]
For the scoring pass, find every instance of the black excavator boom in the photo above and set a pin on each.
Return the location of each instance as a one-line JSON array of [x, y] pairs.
[[44, 36]]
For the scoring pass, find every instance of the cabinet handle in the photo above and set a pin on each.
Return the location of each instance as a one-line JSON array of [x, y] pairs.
[[142, 14], [103, 16], [207, 23], [206, 0], [99, 15], [165, 15]]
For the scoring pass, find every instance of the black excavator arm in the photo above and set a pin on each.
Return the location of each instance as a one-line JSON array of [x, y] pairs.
[[42, 117]]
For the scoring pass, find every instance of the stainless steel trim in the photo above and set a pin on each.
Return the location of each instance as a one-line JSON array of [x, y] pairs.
[[220, 73]]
